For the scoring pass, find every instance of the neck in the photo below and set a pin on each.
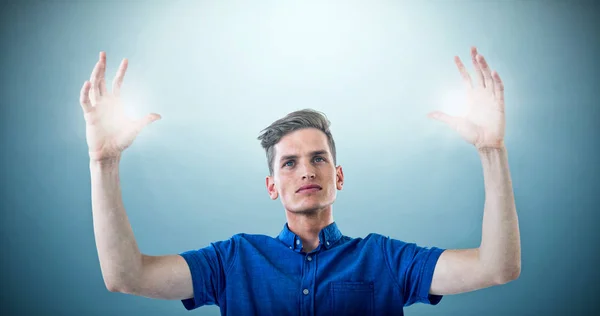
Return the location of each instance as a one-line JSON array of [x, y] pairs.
[[309, 225]]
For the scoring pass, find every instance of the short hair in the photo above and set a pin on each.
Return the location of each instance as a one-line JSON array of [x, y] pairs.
[[306, 118]]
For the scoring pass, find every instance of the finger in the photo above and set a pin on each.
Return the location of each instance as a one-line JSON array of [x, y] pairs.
[[94, 88], [499, 90], [128, 137], [147, 120], [118, 81], [97, 77], [487, 72], [445, 118], [102, 81], [459, 124], [478, 73], [84, 97], [141, 124], [463, 72]]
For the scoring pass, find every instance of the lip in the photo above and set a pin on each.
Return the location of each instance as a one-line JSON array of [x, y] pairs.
[[309, 188]]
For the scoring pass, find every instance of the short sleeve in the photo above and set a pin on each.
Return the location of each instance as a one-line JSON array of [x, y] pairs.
[[413, 267], [208, 267]]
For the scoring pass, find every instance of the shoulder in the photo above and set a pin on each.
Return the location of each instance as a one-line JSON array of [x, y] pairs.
[[247, 237], [374, 239], [240, 237], [370, 241], [398, 247], [224, 252], [245, 240], [387, 241]]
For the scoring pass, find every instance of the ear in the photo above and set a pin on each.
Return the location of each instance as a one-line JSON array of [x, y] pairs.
[[339, 181], [271, 188]]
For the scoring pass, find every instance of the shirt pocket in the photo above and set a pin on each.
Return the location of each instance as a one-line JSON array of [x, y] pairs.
[[352, 298]]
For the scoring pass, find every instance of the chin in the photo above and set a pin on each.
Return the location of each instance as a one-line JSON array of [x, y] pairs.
[[305, 211], [309, 208]]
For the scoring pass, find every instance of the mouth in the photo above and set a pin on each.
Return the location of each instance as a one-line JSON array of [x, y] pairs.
[[309, 189]]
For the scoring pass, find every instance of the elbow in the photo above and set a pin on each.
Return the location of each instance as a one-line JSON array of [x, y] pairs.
[[509, 274], [514, 273], [115, 286], [112, 287]]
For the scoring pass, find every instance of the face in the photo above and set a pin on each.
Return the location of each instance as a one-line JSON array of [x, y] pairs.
[[304, 174]]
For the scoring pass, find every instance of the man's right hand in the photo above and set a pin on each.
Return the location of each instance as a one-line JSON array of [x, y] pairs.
[[108, 130]]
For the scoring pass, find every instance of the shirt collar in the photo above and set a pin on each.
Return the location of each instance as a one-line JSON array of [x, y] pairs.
[[328, 236]]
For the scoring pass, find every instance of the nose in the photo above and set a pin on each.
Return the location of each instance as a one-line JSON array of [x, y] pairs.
[[308, 173]]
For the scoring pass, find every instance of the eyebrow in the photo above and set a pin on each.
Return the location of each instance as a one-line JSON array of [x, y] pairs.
[[314, 153]]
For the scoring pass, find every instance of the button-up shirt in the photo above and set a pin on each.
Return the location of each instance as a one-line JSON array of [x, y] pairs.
[[262, 275]]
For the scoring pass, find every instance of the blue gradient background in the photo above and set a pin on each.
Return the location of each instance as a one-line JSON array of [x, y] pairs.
[[219, 72]]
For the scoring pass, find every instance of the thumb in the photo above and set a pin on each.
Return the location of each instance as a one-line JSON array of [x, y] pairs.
[[125, 138], [451, 121], [147, 120], [139, 125], [466, 129]]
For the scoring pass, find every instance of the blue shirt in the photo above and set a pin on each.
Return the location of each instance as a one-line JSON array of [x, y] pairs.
[[261, 275]]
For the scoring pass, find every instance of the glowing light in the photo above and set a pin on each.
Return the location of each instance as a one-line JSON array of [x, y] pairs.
[[453, 102], [134, 104]]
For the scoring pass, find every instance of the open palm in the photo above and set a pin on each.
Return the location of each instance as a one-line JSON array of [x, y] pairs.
[[108, 129], [484, 123]]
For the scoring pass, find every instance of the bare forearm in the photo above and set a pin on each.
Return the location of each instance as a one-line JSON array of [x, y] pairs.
[[120, 258], [500, 250]]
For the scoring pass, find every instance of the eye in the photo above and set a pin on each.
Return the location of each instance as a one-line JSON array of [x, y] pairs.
[[287, 164], [322, 159]]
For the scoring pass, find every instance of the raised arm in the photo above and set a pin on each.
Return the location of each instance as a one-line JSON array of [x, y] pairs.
[[108, 132], [498, 258]]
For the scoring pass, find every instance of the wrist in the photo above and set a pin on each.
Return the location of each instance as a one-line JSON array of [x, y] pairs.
[[492, 155], [105, 163], [486, 148], [490, 149]]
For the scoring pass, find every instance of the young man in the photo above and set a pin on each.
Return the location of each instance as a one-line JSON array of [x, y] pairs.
[[310, 268]]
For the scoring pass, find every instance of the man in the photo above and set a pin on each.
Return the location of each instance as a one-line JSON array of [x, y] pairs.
[[311, 268]]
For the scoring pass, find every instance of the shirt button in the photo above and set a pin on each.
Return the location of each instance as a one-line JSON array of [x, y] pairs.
[[327, 243], [290, 247], [309, 258], [297, 242], [305, 291]]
